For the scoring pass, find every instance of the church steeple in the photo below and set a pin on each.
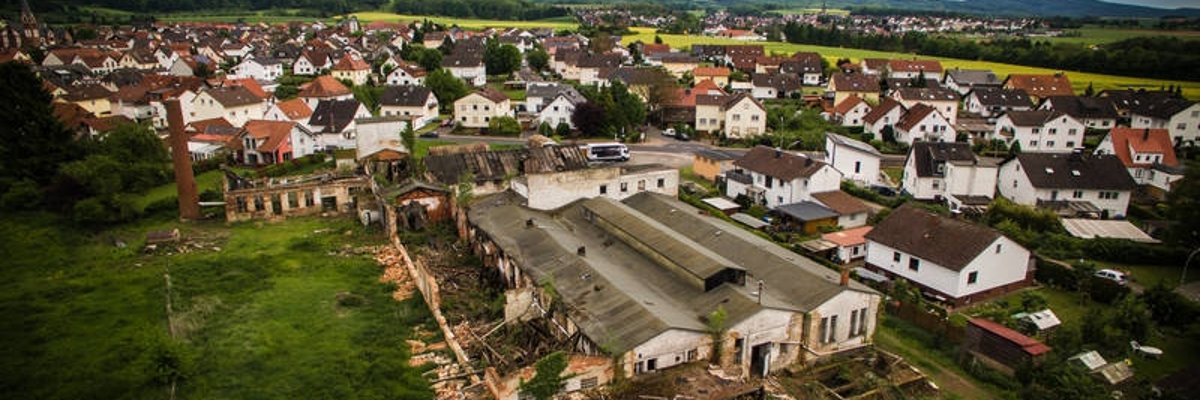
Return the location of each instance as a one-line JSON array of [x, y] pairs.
[[29, 24]]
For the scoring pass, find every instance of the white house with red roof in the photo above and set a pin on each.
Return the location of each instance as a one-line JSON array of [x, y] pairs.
[[1149, 156], [263, 142], [851, 243], [851, 111]]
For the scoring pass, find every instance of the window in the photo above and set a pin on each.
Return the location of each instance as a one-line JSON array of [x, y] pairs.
[[1181, 126], [754, 118], [972, 278], [1109, 195], [1078, 194], [1014, 183], [853, 322], [624, 187], [857, 167], [896, 256], [1071, 144], [824, 332], [1037, 130], [641, 185], [1053, 131], [770, 182], [651, 364], [862, 321], [1049, 143], [997, 248], [914, 264], [662, 182], [832, 329], [1073, 130], [1032, 143], [603, 189]]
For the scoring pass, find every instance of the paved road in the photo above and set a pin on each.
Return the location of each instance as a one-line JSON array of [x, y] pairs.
[[655, 142]]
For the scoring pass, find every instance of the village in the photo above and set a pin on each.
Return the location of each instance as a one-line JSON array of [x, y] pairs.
[[718, 222]]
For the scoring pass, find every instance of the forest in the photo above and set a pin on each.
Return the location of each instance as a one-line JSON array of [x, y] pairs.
[[483, 9]]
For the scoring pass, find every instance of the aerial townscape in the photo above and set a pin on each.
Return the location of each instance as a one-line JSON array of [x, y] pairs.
[[600, 199]]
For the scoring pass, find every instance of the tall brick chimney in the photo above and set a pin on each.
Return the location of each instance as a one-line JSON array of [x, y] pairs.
[[185, 181]]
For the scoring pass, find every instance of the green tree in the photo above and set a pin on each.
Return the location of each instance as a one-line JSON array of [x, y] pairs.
[[504, 126], [1032, 301], [590, 118], [549, 379], [658, 39], [1183, 207], [1090, 91], [409, 137], [538, 59], [716, 328], [501, 59], [446, 87], [1132, 316], [33, 143], [429, 59], [563, 129]]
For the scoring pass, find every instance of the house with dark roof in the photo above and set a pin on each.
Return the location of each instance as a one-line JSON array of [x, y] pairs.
[[1178, 116], [1148, 155], [856, 160], [806, 65], [466, 65], [773, 86], [1050, 131], [922, 122], [943, 100], [638, 277], [953, 260], [951, 172], [1093, 112], [416, 102], [964, 81], [1069, 183], [990, 102], [333, 122], [854, 85], [561, 108], [773, 177]]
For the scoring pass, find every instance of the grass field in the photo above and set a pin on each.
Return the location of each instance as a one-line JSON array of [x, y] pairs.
[[256, 313], [1079, 80], [1096, 35], [552, 23], [817, 10]]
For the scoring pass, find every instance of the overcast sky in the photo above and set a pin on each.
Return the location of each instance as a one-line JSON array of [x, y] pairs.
[[1160, 3]]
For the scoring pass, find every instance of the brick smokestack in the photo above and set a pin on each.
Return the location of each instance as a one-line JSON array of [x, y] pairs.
[[185, 181], [845, 278]]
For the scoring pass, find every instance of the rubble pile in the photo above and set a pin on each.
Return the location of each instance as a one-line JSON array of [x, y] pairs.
[[394, 272]]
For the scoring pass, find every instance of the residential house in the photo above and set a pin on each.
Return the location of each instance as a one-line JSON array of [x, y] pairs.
[[312, 62], [711, 164], [851, 111], [1040, 86], [964, 81], [949, 172], [775, 177], [653, 320], [325, 87], [953, 260], [1093, 112], [910, 69], [736, 116], [263, 142], [1040, 131], [773, 86], [680, 64], [923, 123], [539, 94], [92, 97], [477, 109], [856, 160], [352, 68], [1148, 155], [806, 65], [851, 212], [1071, 184], [991, 102], [719, 75], [295, 110], [333, 123], [406, 74], [851, 244], [876, 67], [854, 85], [1178, 116], [236, 104], [882, 117], [561, 108], [260, 69], [944, 100], [417, 102], [466, 65]]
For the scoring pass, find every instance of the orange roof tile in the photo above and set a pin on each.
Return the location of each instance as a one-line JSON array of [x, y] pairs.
[[710, 71], [324, 86], [848, 104], [849, 237], [275, 132], [295, 109], [1143, 141], [250, 84], [351, 63]]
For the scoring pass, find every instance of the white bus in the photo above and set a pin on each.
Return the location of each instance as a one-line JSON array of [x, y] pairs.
[[607, 152]]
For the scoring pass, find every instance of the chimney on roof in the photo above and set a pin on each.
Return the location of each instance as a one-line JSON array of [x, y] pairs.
[[1146, 135], [529, 223], [581, 251], [185, 181], [845, 281]]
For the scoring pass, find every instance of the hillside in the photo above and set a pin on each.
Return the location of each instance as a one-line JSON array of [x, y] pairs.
[[1068, 8]]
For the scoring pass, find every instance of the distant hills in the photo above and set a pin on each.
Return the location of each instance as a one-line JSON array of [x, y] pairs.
[[1043, 8]]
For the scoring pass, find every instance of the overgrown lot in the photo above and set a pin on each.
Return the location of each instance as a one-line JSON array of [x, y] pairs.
[[276, 310]]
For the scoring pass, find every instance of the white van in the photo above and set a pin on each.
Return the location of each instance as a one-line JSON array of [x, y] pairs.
[[607, 152]]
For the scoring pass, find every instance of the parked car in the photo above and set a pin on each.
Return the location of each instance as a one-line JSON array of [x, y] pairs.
[[1112, 275], [669, 132], [883, 190], [430, 135]]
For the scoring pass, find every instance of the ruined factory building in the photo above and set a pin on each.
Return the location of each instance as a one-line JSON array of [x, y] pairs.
[[642, 278]]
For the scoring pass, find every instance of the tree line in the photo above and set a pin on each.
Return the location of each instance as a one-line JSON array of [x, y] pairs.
[[149, 6], [1155, 57], [485, 9]]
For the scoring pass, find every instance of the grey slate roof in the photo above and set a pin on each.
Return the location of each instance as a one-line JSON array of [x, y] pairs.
[[405, 96], [974, 77], [806, 211], [1082, 107], [778, 164], [851, 143], [334, 115], [1033, 117], [927, 155], [997, 96], [1075, 171]]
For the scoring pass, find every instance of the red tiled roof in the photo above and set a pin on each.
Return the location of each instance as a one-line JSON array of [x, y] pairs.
[[295, 109], [848, 104], [351, 63], [275, 132], [250, 84], [1030, 345], [849, 237], [915, 65], [1041, 85], [1143, 141], [710, 71], [324, 86]]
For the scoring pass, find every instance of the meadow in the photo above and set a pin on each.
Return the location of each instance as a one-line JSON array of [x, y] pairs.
[[259, 310]]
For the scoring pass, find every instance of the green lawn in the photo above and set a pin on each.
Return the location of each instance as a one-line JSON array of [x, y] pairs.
[[257, 318], [1079, 80], [467, 23], [1149, 275], [896, 173], [423, 146], [899, 337], [210, 180], [1092, 35]]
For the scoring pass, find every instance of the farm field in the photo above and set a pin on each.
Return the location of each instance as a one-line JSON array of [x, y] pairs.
[[261, 310], [1099, 35], [1079, 80], [466, 23]]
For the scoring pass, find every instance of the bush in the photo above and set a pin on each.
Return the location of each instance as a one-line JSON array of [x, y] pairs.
[[23, 195], [504, 126]]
